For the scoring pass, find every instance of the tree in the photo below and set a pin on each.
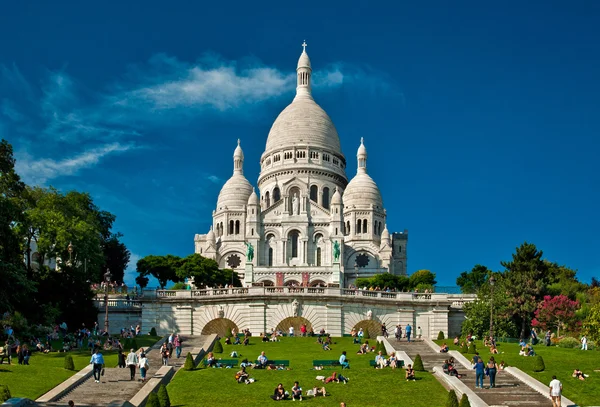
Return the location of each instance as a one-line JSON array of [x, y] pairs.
[[163, 268], [525, 283], [142, 281], [418, 364], [471, 281], [422, 278], [206, 272], [555, 312], [562, 280], [464, 401], [163, 396], [452, 400], [116, 258], [591, 324], [398, 283]]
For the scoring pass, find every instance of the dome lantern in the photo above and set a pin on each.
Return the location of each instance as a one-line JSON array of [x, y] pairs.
[[303, 74], [238, 159], [361, 155]]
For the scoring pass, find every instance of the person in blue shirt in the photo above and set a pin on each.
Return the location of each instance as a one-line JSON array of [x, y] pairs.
[[98, 364], [479, 373], [344, 361], [408, 331]]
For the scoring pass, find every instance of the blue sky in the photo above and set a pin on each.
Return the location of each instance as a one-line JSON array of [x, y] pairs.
[[481, 121]]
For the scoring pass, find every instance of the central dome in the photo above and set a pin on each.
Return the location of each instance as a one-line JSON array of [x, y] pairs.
[[303, 122]]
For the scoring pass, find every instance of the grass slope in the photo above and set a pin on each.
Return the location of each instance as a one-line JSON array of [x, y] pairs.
[[367, 386], [45, 371], [559, 361]]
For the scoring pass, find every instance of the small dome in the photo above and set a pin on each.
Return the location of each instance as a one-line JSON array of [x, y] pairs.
[[210, 236], [336, 199], [304, 60], [238, 153], [385, 234], [362, 191], [253, 200], [235, 192]]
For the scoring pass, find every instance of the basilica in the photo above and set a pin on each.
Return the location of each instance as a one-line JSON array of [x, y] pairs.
[[306, 224]]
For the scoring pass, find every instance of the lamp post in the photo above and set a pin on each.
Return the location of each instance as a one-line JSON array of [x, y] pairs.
[[355, 273], [107, 277], [70, 249], [492, 280]]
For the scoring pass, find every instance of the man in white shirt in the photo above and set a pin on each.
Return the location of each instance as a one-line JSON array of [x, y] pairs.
[[291, 331], [555, 391], [583, 342]]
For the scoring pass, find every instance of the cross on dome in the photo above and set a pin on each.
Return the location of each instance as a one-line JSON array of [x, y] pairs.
[[304, 45]]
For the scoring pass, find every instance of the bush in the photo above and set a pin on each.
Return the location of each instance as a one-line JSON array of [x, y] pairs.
[[464, 401], [69, 365], [418, 364], [538, 364], [218, 347], [441, 336], [381, 348], [4, 393], [452, 400], [153, 400], [464, 348], [366, 334], [133, 345], [153, 332], [229, 334], [163, 396], [472, 348], [189, 362], [569, 342]]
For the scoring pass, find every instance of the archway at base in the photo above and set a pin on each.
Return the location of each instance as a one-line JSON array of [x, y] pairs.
[[373, 326], [219, 326], [296, 322]]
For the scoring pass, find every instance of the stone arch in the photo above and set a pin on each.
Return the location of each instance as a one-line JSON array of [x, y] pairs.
[[292, 282], [373, 325], [224, 261], [296, 322], [317, 283], [219, 326]]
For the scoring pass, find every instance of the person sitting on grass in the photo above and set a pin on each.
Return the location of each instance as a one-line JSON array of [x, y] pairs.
[[296, 392], [364, 348], [578, 374], [242, 375], [211, 361], [237, 340], [227, 341], [326, 346], [493, 349], [342, 379], [331, 379], [246, 340], [262, 361], [444, 348], [380, 361], [393, 361], [265, 338], [410, 373], [279, 393], [344, 361], [456, 340]]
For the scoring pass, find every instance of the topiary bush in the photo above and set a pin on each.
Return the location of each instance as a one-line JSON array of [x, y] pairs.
[[218, 347], [69, 365], [163, 396], [441, 336], [472, 348], [418, 364], [366, 335], [133, 345], [153, 400], [153, 331], [464, 401], [538, 364], [189, 362], [451, 401], [381, 348], [569, 342], [4, 393], [464, 348]]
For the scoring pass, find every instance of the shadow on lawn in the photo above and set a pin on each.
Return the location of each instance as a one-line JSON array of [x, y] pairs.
[[5, 370]]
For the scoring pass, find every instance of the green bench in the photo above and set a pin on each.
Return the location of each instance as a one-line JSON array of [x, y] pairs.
[[285, 363], [326, 363], [399, 363], [223, 362]]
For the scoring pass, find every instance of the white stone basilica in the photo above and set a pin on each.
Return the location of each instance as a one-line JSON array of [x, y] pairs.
[[310, 226]]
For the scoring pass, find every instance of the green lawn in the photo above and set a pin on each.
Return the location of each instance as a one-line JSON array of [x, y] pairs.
[[559, 361], [367, 386], [46, 371]]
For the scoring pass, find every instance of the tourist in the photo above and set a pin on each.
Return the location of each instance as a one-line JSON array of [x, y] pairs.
[[279, 393], [410, 373], [456, 341], [26, 354], [384, 331], [97, 361], [479, 373], [364, 348], [492, 368], [291, 331], [419, 332], [5, 352], [494, 349], [408, 331], [265, 338], [534, 337], [360, 334], [380, 361], [242, 375], [398, 332], [211, 361], [303, 330], [262, 361], [444, 348], [548, 338], [556, 392], [296, 392], [132, 361], [332, 379], [144, 366], [319, 391], [584, 345], [393, 360], [164, 353], [578, 374], [502, 365], [326, 346], [19, 352], [344, 361], [342, 404], [121, 359]]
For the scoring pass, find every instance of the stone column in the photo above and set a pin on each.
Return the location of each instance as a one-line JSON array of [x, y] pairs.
[[333, 315], [256, 317], [439, 322]]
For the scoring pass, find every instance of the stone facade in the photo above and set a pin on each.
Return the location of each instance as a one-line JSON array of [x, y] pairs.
[[308, 225]]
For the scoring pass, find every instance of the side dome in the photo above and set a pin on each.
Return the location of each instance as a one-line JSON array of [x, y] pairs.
[[362, 191], [253, 199], [336, 199], [235, 192]]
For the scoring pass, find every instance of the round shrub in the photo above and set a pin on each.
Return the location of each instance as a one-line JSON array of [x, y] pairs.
[[218, 347], [464, 401], [441, 336], [4, 393], [464, 348], [153, 331], [538, 364], [69, 365], [189, 362], [366, 334], [569, 342], [153, 400], [418, 364], [472, 348], [163, 396], [451, 401]]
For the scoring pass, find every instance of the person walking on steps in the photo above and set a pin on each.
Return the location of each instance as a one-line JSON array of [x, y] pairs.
[[132, 361], [555, 392], [408, 331], [97, 361], [479, 373]]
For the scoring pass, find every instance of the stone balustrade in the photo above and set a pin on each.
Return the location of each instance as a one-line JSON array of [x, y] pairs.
[[118, 303]]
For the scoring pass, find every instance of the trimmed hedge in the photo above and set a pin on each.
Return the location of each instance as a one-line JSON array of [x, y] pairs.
[[441, 336], [163, 396], [153, 400], [451, 401], [189, 362], [418, 364], [69, 365], [218, 347], [569, 342], [472, 348], [153, 331], [538, 364], [464, 401]]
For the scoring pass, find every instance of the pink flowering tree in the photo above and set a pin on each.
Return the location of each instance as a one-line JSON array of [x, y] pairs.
[[555, 312]]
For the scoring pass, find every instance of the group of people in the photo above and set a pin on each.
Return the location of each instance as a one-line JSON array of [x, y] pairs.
[[133, 361]]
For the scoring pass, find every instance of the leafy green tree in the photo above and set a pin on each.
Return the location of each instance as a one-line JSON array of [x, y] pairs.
[[399, 283], [452, 400], [116, 258], [206, 272], [142, 281], [163, 268], [471, 281], [525, 284], [562, 280], [591, 324], [423, 278]]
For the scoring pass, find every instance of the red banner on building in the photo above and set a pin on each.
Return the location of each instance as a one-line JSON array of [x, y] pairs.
[[305, 279], [279, 279]]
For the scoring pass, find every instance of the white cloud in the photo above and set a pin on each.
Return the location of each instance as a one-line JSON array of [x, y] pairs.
[[38, 171], [214, 179], [130, 271]]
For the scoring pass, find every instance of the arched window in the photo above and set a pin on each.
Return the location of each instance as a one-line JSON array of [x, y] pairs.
[[318, 256], [270, 259], [267, 199], [380, 229], [231, 223], [276, 195], [294, 243], [347, 227], [237, 227], [358, 226], [222, 229], [314, 192], [364, 226], [326, 198]]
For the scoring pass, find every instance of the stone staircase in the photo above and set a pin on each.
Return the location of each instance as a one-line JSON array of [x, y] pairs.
[[509, 391]]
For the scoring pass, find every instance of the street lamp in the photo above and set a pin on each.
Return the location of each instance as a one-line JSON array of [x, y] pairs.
[[107, 277], [355, 273], [492, 280], [70, 249]]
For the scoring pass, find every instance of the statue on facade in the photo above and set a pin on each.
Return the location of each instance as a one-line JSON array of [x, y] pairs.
[[249, 251], [369, 314], [295, 308], [336, 250], [295, 205], [221, 311]]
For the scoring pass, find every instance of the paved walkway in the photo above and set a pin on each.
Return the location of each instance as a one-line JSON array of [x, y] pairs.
[[508, 391], [115, 386]]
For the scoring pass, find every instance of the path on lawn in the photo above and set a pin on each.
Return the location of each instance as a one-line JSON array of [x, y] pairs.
[[116, 387], [509, 391]]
